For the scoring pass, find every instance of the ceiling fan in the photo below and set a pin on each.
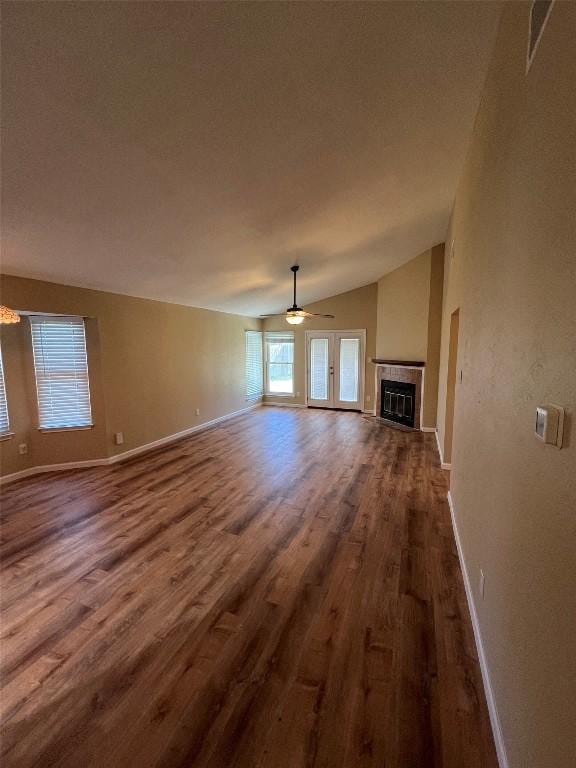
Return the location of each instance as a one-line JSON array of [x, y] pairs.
[[295, 314]]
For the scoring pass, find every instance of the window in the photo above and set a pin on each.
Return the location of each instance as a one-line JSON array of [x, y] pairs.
[[254, 365], [59, 346], [4, 421], [279, 363]]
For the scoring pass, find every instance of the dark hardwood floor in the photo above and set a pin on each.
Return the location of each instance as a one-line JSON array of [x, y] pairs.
[[282, 590]]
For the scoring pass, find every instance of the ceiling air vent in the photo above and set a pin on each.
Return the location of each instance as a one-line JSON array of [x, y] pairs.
[[539, 13]]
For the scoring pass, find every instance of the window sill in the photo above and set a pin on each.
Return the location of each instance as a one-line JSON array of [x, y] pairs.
[[65, 429], [6, 436], [279, 394]]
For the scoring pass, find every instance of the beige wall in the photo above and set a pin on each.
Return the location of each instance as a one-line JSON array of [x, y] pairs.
[[403, 302], [13, 339], [513, 276], [409, 319], [151, 365], [353, 310], [430, 404]]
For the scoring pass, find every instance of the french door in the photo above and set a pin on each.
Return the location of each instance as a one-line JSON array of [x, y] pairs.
[[335, 369]]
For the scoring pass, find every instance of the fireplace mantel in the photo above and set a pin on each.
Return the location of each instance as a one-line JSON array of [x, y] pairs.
[[399, 363]]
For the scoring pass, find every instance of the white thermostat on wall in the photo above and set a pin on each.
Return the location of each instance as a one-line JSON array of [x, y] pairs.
[[550, 424]]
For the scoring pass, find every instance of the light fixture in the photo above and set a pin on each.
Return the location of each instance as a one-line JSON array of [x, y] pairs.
[[8, 315], [294, 319], [295, 314]]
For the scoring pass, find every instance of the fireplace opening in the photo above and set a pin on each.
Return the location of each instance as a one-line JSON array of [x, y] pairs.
[[397, 402]]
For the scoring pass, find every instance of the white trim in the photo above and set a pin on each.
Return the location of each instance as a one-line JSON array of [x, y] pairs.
[[333, 404], [427, 429], [126, 454], [49, 430], [178, 435], [285, 405], [270, 335], [488, 690], [443, 464], [53, 468]]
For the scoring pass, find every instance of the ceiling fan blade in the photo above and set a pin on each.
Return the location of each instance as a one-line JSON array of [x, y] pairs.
[[278, 314], [317, 314]]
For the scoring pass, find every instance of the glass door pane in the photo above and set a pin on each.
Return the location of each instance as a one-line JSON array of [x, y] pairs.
[[319, 369], [349, 359]]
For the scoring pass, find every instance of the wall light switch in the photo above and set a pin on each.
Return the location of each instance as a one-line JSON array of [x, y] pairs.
[[550, 424], [197, 411], [118, 438], [23, 449]]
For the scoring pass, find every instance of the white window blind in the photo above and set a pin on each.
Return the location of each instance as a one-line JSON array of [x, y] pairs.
[[319, 369], [59, 345], [254, 365], [4, 421], [279, 362], [349, 354]]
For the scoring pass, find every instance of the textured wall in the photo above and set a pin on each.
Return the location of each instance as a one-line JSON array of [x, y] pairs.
[[409, 319], [151, 365], [513, 276]]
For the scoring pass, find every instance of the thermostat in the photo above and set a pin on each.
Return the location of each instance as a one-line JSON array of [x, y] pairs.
[[550, 424]]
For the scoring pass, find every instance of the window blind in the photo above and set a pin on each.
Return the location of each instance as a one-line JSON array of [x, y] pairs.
[[4, 421], [62, 386], [349, 354], [279, 362], [319, 365], [254, 365]]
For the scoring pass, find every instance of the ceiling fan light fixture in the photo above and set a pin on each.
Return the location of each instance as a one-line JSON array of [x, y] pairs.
[[294, 319], [295, 314]]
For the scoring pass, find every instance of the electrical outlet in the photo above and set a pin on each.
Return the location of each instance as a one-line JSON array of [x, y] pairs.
[[197, 411], [23, 449], [368, 398], [118, 438], [482, 583]]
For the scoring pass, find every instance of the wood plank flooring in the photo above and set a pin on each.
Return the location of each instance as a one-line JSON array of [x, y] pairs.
[[282, 590]]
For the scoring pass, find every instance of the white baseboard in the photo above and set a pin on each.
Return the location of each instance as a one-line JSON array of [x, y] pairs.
[[427, 429], [490, 700], [53, 468], [179, 435], [285, 405], [443, 464], [126, 454]]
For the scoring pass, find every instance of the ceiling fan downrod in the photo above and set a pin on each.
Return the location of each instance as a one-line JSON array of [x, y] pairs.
[[295, 269]]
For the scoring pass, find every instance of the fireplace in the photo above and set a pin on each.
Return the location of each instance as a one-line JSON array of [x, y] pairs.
[[398, 402], [398, 388]]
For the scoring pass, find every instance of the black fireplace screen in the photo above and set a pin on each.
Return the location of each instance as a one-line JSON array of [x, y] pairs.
[[398, 402]]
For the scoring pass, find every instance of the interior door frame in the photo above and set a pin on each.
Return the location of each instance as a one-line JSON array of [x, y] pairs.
[[342, 332]]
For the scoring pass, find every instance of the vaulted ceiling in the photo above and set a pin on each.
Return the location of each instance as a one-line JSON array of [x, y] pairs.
[[191, 152]]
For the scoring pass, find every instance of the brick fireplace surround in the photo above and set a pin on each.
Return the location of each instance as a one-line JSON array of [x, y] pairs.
[[408, 371]]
